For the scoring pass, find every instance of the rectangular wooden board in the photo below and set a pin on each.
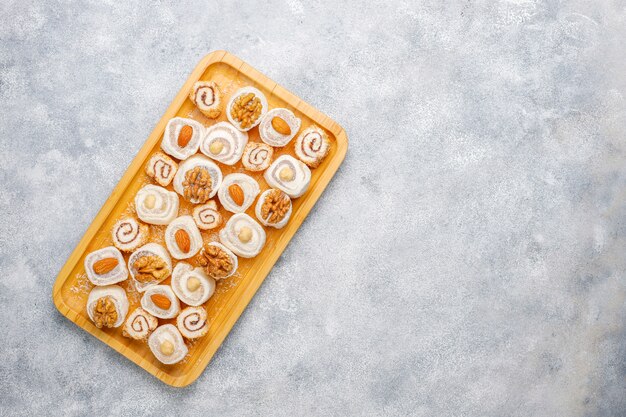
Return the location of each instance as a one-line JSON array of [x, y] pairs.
[[232, 295]]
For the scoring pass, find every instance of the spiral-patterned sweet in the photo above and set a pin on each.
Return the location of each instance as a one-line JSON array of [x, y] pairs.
[[312, 146], [278, 127], [161, 168], [139, 324], [105, 266], [206, 216], [167, 344], [289, 175], [257, 156], [182, 137], [192, 322], [156, 205], [243, 235], [207, 97], [224, 143], [128, 234]]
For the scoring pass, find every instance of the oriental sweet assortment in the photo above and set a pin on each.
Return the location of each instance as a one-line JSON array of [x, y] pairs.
[[210, 193]]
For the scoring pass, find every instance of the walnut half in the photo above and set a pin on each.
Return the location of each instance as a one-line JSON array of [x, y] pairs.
[[197, 185], [246, 109], [150, 268], [217, 262], [275, 206], [104, 313]]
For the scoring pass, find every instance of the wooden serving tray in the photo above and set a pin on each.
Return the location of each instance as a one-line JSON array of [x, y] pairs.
[[233, 294]]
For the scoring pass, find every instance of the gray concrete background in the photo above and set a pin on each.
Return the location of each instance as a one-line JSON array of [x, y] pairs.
[[468, 259]]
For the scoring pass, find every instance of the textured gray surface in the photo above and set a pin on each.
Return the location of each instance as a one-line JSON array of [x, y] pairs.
[[467, 259]]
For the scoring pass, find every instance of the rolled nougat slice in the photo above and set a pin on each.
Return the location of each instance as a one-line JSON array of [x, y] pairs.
[[128, 234], [238, 192], [161, 302], [206, 216], [182, 137], [167, 344], [218, 261], [246, 108], [289, 175], [192, 322], [161, 168], [207, 97], [107, 306], [156, 205], [105, 266], [139, 324], [273, 208], [182, 237], [224, 143], [312, 146], [192, 285], [149, 265], [243, 236], [278, 127], [257, 156], [198, 179]]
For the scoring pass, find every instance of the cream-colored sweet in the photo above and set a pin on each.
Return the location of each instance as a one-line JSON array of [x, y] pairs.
[[273, 208], [149, 265], [183, 231], [188, 183], [241, 92], [224, 143], [128, 234], [206, 216], [156, 205], [107, 306], [100, 258], [206, 95], [151, 299], [267, 127], [257, 156], [192, 322], [249, 187], [289, 175], [218, 261], [243, 235], [192, 285], [167, 344], [161, 168], [139, 324], [312, 146], [174, 137]]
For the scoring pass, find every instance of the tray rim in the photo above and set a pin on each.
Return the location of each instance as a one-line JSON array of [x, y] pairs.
[[248, 291]]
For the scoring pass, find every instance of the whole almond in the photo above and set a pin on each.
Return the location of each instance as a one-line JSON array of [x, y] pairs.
[[236, 193], [184, 136], [104, 265], [161, 301], [182, 240], [281, 126]]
